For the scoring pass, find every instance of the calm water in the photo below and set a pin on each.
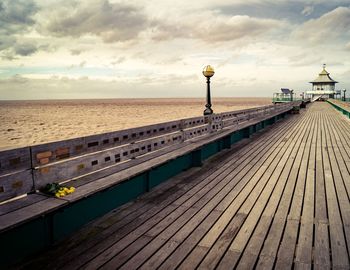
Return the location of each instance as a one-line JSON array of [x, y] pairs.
[[33, 122]]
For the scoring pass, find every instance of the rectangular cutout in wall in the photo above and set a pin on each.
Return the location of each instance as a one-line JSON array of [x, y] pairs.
[[107, 159], [92, 144], [2, 189], [94, 162], [105, 141]]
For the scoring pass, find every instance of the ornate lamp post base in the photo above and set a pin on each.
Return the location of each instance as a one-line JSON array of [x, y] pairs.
[[208, 111]]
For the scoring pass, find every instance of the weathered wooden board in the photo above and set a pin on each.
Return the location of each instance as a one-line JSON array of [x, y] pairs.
[[56, 151], [15, 160], [15, 184]]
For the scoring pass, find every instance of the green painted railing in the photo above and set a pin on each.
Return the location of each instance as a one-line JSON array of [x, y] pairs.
[[340, 106]]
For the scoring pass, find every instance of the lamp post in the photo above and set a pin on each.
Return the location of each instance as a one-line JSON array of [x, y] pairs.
[[344, 90], [208, 72]]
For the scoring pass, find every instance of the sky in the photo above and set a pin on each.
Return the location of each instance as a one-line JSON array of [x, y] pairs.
[[77, 49]]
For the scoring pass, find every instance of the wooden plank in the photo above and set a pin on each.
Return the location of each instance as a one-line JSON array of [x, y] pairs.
[[124, 219], [15, 184], [230, 196], [340, 257], [14, 160], [72, 168], [338, 170], [23, 202], [303, 253], [201, 180], [181, 235], [25, 214], [210, 239], [287, 248], [288, 177], [156, 230], [184, 247], [273, 188], [321, 247], [273, 239], [212, 257], [80, 146]]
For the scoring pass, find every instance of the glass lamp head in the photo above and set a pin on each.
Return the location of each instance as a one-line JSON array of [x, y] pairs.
[[208, 71]]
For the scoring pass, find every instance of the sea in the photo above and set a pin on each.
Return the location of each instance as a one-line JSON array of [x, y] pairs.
[[24, 123]]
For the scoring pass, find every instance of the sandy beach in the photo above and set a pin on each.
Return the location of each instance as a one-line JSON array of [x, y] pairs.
[[26, 123]]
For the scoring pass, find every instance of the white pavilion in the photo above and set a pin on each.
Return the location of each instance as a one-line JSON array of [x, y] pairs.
[[323, 86]]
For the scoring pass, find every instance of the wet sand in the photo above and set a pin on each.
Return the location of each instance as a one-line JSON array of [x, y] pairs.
[[26, 123]]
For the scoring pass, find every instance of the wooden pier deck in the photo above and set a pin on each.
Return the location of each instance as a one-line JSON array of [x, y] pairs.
[[279, 200]]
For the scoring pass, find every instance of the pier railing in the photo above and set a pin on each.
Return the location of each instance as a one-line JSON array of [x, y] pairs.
[[341, 106], [24, 170]]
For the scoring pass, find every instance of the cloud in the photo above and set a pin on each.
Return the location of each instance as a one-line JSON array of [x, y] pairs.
[[347, 46], [307, 11], [112, 22], [15, 18], [305, 59], [16, 15], [330, 26], [119, 60], [25, 49], [220, 28], [76, 51], [6, 41]]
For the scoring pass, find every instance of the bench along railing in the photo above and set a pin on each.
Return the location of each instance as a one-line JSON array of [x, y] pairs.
[[341, 106], [25, 170]]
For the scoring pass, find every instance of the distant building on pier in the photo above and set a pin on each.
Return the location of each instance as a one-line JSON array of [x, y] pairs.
[[323, 86]]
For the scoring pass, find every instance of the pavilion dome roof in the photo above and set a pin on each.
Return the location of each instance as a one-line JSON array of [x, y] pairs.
[[324, 77]]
